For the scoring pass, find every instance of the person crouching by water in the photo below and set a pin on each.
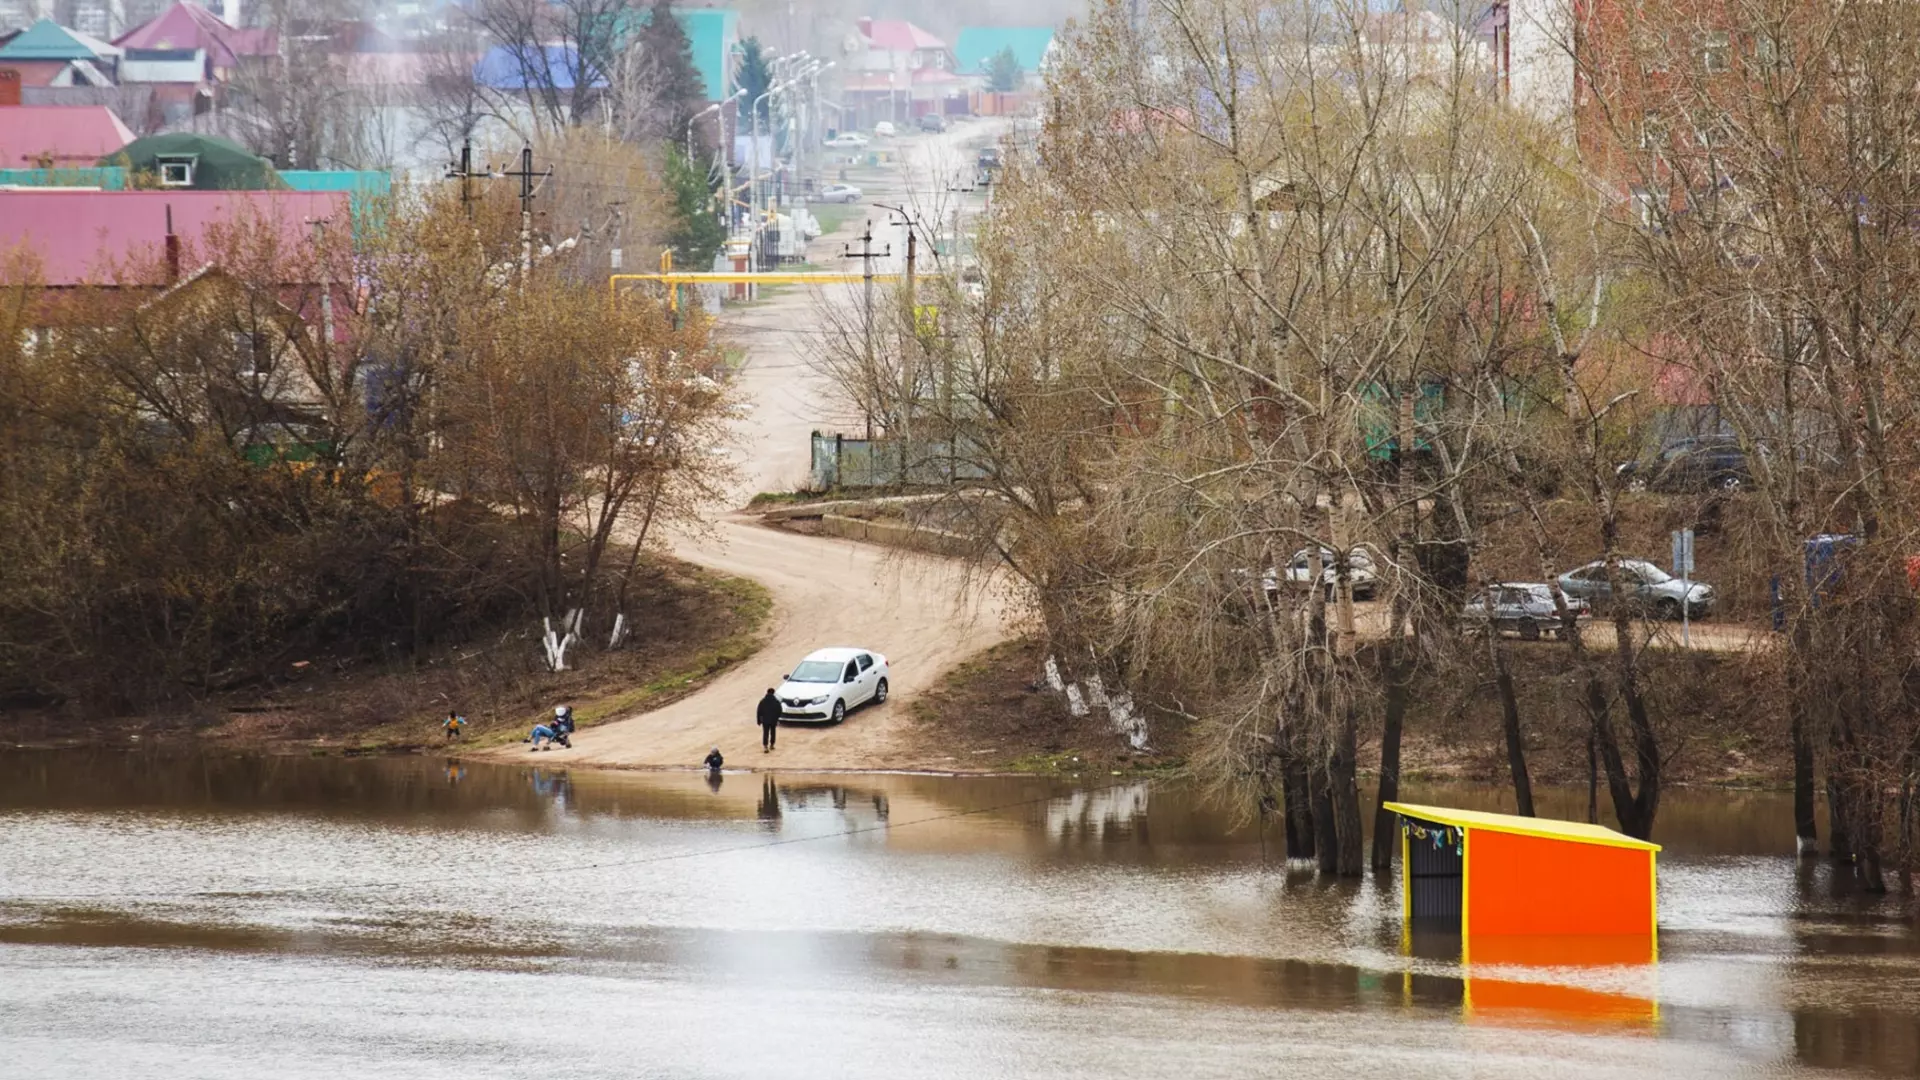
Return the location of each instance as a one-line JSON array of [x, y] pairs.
[[453, 725], [768, 716], [714, 761], [559, 731]]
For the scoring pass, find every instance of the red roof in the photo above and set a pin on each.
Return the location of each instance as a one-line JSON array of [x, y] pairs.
[[190, 26], [66, 134], [899, 35], [78, 235]]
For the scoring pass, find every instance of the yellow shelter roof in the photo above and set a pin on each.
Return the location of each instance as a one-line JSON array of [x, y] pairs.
[[1573, 831]]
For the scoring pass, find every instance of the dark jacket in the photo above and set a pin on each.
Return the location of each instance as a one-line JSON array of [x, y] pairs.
[[714, 760], [769, 711]]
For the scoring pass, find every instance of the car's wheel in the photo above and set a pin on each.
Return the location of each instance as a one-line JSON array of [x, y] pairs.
[[1728, 483], [1529, 631], [1668, 609], [839, 711], [880, 693], [1637, 484]]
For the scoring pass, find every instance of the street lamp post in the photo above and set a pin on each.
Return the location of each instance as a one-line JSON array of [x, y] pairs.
[[753, 175], [726, 153]]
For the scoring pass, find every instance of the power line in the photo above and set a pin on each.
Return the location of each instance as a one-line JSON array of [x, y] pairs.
[[649, 860]]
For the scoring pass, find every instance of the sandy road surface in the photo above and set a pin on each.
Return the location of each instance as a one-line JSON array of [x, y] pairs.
[[825, 591]]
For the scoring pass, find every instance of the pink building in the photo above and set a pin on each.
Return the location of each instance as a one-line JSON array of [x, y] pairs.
[[897, 71], [59, 136]]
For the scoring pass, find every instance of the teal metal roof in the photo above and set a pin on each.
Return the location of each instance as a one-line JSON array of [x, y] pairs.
[[360, 182], [713, 32], [367, 190], [46, 40], [107, 178], [979, 44]]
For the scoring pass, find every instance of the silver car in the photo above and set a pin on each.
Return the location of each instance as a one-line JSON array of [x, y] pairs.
[[1647, 587], [1522, 607]]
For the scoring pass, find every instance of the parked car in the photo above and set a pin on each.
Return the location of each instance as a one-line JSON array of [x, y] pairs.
[[1360, 572], [1695, 463], [830, 683], [1521, 607], [933, 122], [848, 140], [838, 193], [884, 129], [1646, 586]]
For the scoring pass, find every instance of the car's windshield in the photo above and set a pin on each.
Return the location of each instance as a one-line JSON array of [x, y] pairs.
[[1652, 574], [827, 671]]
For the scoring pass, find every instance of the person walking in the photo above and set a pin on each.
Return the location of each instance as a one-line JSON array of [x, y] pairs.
[[768, 716]]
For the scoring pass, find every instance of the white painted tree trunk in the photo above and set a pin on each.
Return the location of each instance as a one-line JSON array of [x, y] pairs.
[[1128, 722], [557, 644]]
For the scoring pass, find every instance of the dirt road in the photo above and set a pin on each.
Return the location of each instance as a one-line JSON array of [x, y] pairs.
[[826, 591]]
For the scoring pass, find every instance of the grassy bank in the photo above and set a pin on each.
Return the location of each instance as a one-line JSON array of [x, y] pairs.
[[689, 624], [1720, 721]]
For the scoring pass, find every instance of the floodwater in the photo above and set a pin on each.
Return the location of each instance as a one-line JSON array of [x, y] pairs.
[[291, 917]]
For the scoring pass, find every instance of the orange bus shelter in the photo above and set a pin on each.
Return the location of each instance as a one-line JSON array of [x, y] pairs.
[[1499, 875]]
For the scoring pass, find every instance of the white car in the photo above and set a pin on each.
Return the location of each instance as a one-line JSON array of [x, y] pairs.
[[884, 129], [1360, 572], [847, 140], [830, 683], [840, 193]]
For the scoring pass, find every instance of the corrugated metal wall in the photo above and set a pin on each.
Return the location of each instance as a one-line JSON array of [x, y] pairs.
[[1437, 876]]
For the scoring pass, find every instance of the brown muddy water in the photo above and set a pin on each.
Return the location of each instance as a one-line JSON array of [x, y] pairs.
[[292, 917]]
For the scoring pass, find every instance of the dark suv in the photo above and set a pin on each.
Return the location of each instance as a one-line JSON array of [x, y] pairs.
[[933, 122], [1696, 463]]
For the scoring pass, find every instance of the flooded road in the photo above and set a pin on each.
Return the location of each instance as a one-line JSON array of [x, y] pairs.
[[293, 917]]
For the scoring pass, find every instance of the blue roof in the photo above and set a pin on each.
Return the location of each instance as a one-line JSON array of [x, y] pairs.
[[500, 68], [979, 44]]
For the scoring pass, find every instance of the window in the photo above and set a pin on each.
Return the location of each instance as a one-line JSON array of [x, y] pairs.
[[1643, 208], [1653, 131], [249, 358], [852, 673], [1716, 49], [815, 671], [176, 172], [1769, 52], [864, 661]]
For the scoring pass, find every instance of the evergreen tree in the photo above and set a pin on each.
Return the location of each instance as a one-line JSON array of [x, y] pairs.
[[1004, 73], [697, 232], [752, 74], [678, 88]]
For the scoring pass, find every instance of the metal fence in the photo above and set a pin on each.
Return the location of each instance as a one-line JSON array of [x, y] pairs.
[[843, 462]]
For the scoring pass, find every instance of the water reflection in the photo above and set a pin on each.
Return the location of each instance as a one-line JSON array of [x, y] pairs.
[[912, 884]]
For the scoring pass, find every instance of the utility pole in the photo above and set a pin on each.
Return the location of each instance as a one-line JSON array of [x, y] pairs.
[[326, 282], [527, 175], [866, 255], [464, 173]]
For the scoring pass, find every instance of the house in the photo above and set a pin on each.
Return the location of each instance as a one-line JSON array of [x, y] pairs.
[[190, 27], [897, 71], [48, 54], [197, 162], [977, 47], [120, 238], [714, 34], [50, 136]]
